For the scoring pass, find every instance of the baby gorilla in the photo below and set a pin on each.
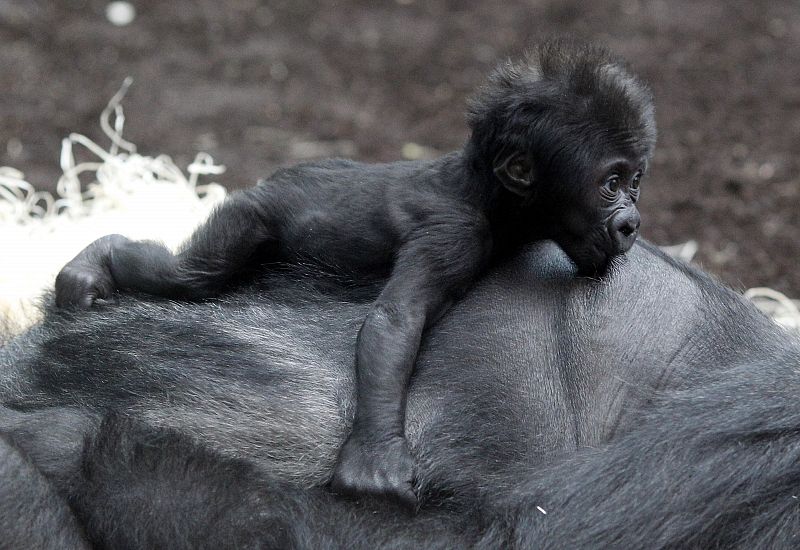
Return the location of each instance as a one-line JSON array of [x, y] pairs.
[[558, 145]]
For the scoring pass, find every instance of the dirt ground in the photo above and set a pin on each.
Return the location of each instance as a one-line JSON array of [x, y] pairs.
[[263, 84]]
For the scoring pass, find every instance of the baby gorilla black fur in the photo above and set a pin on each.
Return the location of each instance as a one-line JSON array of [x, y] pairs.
[[558, 146]]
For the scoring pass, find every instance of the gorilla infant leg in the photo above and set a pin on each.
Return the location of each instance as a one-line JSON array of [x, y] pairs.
[[223, 246]]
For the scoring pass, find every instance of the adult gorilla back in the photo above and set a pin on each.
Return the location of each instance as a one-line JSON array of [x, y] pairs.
[[651, 408]]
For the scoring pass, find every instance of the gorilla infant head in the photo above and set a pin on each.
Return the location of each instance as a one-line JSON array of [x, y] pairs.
[[571, 131]]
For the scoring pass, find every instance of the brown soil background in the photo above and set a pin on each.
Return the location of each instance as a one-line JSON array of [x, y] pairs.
[[263, 84]]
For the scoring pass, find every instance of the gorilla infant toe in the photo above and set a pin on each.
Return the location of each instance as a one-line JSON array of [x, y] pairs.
[[87, 277], [80, 286]]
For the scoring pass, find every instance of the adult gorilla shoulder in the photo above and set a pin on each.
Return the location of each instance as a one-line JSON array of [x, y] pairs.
[[654, 407]]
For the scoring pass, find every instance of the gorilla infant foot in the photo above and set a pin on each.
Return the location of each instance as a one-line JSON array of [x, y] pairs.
[[87, 277], [379, 468]]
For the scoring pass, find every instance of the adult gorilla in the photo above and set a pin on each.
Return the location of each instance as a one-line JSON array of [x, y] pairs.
[[651, 408]]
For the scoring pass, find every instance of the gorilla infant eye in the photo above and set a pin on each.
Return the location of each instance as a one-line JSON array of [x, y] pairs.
[[612, 183], [636, 180]]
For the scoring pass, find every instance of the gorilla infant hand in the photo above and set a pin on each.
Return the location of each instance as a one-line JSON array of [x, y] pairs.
[[376, 467]]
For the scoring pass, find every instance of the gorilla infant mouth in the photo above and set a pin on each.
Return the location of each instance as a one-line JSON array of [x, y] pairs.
[[593, 257]]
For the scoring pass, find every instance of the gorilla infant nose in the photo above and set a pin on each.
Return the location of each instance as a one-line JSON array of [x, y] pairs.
[[624, 229]]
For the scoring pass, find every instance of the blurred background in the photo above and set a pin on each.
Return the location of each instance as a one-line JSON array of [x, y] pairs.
[[264, 84]]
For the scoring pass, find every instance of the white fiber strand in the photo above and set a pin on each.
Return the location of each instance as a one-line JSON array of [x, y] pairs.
[[139, 196]]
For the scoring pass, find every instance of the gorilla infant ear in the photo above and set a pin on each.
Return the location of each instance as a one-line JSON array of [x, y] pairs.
[[516, 174]]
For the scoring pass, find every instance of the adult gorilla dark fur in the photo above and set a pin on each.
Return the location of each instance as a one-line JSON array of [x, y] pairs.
[[654, 408]]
